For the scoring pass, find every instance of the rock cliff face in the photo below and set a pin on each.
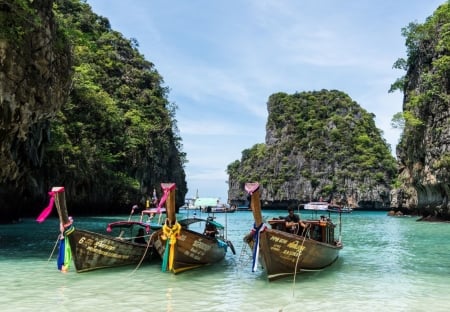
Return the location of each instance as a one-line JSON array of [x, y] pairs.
[[318, 145], [424, 149], [109, 142], [35, 75]]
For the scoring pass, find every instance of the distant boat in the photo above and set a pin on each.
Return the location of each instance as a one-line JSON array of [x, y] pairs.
[[321, 205], [91, 250], [339, 209], [286, 252], [203, 203], [220, 209], [189, 204], [207, 204], [243, 208], [182, 248]]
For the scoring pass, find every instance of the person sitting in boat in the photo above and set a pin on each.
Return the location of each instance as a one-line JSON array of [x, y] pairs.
[[211, 230], [140, 239], [293, 221]]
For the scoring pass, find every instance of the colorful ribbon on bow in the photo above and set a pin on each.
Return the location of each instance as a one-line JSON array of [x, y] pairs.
[[256, 231], [251, 187], [46, 212], [170, 234], [65, 253], [164, 197]]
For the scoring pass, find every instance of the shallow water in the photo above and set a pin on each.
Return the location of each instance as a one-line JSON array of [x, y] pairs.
[[387, 264]]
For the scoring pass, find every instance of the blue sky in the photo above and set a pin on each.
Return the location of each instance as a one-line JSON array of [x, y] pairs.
[[223, 59]]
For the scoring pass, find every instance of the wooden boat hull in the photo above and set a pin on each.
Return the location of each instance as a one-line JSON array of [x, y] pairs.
[[191, 250], [92, 251], [287, 248], [283, 254]]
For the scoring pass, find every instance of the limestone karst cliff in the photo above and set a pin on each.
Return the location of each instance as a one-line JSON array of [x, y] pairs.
[[82, 108], [424, 148], [318, 144], [35, 76]]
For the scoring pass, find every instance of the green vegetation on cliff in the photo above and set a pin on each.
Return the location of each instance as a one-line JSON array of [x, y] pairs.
[[424, 150], [426, 85], [116, 137], [318, 143]]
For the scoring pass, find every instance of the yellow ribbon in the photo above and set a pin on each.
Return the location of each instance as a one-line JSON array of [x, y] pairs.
[[171, 233]]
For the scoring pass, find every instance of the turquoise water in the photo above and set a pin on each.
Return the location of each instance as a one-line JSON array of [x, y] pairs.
[[387, 264]]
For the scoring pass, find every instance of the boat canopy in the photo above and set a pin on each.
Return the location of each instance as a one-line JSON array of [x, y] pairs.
[[153, 211], [317, 206], [189, 221], [203, 202], [128, 224]]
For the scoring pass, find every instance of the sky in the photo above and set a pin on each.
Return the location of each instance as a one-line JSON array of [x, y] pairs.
[[222, 60]]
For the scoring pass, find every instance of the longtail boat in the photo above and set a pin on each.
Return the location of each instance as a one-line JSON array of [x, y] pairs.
[[340, 209], [91, 250], [182, 248], [321, 205], [311, 245]]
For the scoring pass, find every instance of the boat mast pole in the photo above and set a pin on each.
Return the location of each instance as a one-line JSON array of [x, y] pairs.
[[226, 222], [170, 203], [60, 202], [255, 203]]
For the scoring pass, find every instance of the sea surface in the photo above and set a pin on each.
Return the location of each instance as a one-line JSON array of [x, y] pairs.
[[387, 264]]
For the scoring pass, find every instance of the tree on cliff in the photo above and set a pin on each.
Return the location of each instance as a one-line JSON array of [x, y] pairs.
[[116, 138], [424, 148], [35, 77], [81, 107], [318, 144]]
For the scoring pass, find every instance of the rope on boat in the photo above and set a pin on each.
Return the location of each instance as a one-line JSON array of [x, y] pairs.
[[298, 258], [145, 253], [54, 248], [160, 218]]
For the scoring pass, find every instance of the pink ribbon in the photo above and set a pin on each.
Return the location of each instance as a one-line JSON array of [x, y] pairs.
[[251, 187], [166, 194], [46, 212]]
